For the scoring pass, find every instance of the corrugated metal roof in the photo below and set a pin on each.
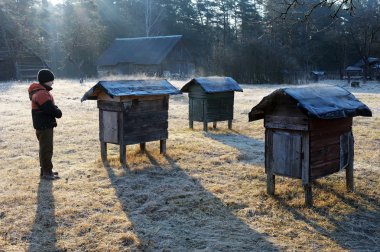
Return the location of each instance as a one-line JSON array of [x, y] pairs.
[[130, 88], [144, 50], [322, 101], [214, 84]]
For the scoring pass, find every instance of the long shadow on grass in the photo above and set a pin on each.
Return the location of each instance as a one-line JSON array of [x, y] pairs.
[[43, 234], [172, 211], [356, 231], [251, 150]]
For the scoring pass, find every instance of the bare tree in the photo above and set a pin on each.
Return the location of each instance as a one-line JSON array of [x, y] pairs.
[[308, 7], [153, 14]]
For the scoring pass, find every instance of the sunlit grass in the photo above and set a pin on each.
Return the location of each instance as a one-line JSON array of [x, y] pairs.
[[207, 193]]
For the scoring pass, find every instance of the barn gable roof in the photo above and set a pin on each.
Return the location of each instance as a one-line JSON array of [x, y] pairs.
[[323, 102], [214, 84], [143, 50], [130, 88], [371, 60]]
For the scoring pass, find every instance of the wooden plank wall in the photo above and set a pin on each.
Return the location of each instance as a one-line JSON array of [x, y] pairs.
[[219, 106], [286, 153], [146, 120], [325, 145], [286, 127]]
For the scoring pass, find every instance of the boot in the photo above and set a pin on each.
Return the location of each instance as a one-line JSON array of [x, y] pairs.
[[54, 173]]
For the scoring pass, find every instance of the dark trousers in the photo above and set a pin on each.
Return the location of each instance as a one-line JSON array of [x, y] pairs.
[[45, 139]]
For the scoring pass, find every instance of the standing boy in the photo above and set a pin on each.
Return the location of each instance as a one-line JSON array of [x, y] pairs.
[[44, 112]]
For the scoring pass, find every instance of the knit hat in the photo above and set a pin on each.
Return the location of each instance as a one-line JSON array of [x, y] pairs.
[[45, 75]]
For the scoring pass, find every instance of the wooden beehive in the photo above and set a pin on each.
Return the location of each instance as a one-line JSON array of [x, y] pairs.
[[211, 99], [308, 133], [132, 112]]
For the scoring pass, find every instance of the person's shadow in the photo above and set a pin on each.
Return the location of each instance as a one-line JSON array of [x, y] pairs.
[[171, 210], [43, 234]]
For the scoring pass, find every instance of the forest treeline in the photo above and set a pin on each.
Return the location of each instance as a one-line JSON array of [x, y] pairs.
[[254, 41]]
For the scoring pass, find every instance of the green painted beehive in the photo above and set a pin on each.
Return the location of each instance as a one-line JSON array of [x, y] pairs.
[[211, 99]]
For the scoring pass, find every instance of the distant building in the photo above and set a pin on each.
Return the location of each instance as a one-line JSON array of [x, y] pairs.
[[357, 70], [317, 75], [17, 61], [154, 56]]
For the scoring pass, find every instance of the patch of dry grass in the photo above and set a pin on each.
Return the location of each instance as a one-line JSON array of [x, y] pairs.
[[207, 193]]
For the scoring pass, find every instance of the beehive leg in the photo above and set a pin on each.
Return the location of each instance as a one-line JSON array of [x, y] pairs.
[[162, 146], [205, 125], [308, 195], [214, 125], [271, 182], [123, 155], [350, 178], [229, 124], [191, 121], [350, 168], [142, 147], [103, 151]]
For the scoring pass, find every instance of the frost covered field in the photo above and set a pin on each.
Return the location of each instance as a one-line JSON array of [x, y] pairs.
[[207, 194]]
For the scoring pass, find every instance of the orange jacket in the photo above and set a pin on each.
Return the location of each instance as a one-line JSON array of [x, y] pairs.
[[44, 110]]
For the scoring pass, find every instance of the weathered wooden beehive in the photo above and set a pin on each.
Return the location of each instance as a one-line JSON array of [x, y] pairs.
[[308, 133], [211, 99], [131, 112]]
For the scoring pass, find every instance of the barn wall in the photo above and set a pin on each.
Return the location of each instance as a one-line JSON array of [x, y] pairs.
[[179, 62], [7, 70]]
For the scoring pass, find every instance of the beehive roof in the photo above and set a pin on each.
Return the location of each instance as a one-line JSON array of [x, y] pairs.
[[130, 88], [214, 84], [322, 101]]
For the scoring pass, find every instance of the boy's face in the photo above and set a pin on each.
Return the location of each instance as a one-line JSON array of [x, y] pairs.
[[50, 83]]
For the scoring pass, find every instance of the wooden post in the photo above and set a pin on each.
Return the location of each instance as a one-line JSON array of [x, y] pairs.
[[205, 115], [308, 195], [123, 155], [191, 125], [123, 147], [142, 147], [350, 167], [103, 151], [163, 146], [271, 183], [214, 125], [205, 126], [229, 124]]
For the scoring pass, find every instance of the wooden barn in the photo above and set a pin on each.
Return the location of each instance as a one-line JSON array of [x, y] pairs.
[[132, 112], [17, 61], [154, 56], [357, 70], [308, 133], [211, 99]]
